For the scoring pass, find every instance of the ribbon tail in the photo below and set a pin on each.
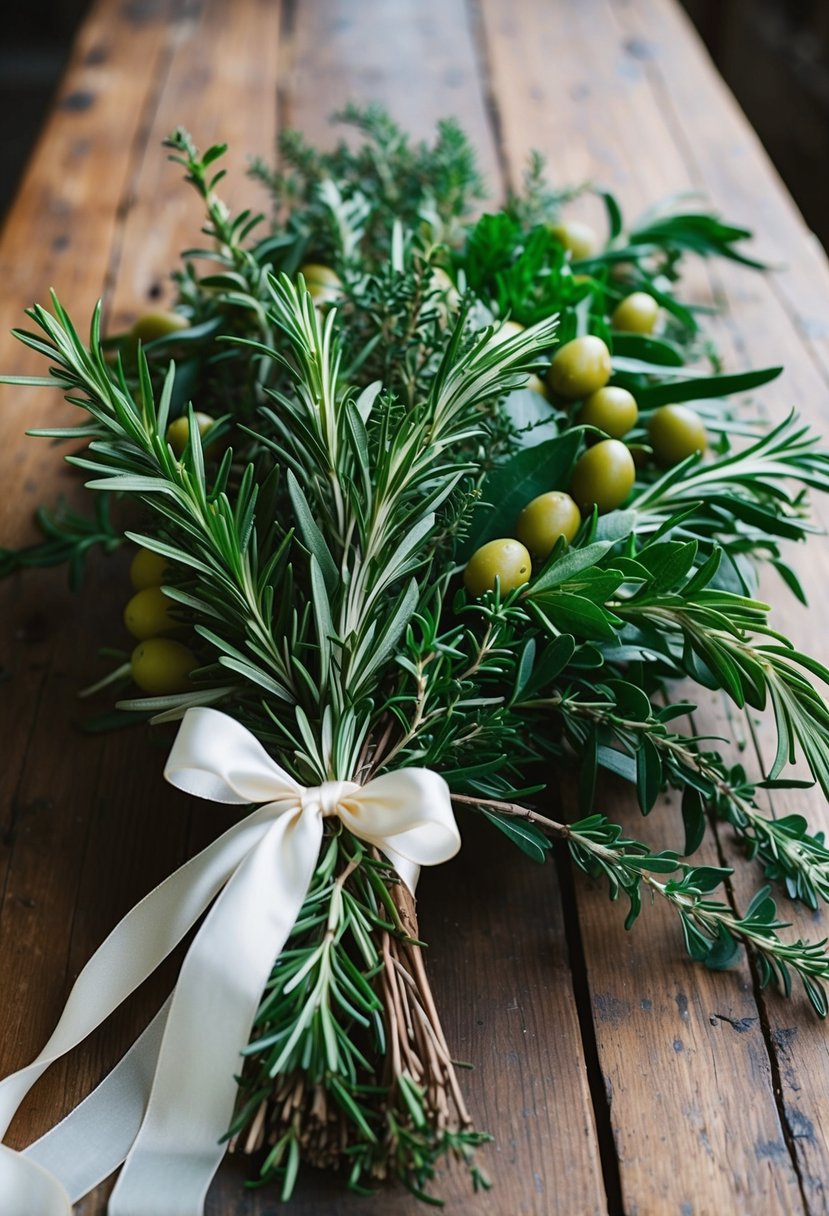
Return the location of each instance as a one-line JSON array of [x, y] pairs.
[[94, 1139], [178, 1149], [132, 951], [27, 1187]]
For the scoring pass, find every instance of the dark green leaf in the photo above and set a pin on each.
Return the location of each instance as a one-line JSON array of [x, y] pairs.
[[706, 386], [648, 774], [693, 818], [508, 489], [525, 835]]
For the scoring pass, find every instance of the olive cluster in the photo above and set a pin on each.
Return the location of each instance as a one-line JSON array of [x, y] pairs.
[[159, 665], [604, 474], [538, 528]]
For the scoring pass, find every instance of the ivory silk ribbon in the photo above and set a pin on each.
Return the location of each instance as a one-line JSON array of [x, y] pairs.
[[165, 1107]]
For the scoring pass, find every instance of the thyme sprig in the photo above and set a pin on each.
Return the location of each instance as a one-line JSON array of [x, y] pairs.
[[711, 929]]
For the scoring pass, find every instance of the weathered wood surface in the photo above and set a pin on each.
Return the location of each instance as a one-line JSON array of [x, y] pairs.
[[615, 1076]]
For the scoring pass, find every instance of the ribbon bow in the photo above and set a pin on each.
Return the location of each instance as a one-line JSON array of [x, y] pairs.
[[167, 1104]]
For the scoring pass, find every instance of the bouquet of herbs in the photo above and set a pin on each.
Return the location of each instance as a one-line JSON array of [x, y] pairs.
[[408, 489]]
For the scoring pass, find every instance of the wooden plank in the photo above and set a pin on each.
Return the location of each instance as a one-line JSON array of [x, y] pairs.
[[62, 227], [420, 61], [122, 836], [221, 87], [499, 988], [677, 127], [417, 59], [368, 51], [522, 1056], [726, 156]]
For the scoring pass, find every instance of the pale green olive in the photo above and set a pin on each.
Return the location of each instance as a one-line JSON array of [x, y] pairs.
[[579, 368], [603, 476], [505, 561], [579, 239], [506, 330], [544, 520], [147, 569], [323, 284], [610, 409], [147, 614], [636, 313], [157, 325], [675, 431], [178, 432], [160, 666]]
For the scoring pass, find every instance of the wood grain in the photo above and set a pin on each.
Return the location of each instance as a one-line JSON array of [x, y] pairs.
[[781, 316], [220, 84], [417, 59]]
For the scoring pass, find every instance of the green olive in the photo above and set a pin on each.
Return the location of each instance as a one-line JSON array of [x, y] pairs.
[[610, 409], [157, 325], [675, 431], [545, 519], [580, 240], [579, 368], [147, 569], [506, 330], [323, 284], [160, 666], [536, 385], [504, 560], [178, 432], [636, 313], [603, 476], [148, 613]]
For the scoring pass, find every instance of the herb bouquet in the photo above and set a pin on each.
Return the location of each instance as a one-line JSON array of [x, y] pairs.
[[422, 516]]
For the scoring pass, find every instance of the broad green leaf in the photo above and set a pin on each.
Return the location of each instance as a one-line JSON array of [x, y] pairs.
[[724, 951], [529, 839], [509, 487], [572, 562], [706, 386], [577, 615], [693, 818], [617, 762], [654, 351], [648, 774]]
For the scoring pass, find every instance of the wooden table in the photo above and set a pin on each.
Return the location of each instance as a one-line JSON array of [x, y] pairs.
[[615, 1075]]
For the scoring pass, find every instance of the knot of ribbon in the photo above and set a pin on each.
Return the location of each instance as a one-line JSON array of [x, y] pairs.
[[328, 797], [166, 1106]]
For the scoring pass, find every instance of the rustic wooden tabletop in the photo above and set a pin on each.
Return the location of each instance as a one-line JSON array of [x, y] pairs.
[[615, 1075]]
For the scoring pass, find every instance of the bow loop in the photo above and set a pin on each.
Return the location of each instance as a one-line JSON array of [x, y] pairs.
[[216, 758]]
